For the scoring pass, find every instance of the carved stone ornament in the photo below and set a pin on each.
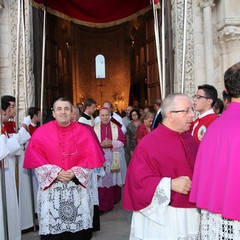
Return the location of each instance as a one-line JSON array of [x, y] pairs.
[[178, 28], [24, 56], [206, 3], [229, 33], [2, 4]]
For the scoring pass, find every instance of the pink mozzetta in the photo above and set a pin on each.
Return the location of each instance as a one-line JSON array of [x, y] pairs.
[[64, 147]]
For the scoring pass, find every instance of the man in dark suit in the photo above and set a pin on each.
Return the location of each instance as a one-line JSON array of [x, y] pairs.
[[158, 115]]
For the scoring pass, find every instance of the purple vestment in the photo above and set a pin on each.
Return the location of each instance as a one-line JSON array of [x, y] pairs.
[[161, 153], [216, 177], [65, 147]]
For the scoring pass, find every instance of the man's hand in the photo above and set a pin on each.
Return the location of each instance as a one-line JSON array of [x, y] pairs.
[[65, 176], [106, 143], [181, 184]]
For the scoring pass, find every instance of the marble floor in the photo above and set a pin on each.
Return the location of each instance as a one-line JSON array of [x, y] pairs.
[[114, 225]]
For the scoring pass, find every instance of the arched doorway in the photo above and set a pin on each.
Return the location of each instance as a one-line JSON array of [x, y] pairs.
[[70, 61]]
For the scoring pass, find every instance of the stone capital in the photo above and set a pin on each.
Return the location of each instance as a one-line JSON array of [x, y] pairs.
[[1, 4], [229, 33], [206, 3]]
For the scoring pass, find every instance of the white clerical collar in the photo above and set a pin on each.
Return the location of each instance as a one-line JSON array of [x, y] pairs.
[[210, 111], [33, 124], [88, 114]]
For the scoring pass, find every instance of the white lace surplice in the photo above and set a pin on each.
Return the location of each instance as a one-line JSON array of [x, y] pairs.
[[97, 173], [160, 221], [113, 178], [64, 206], [214, 227]]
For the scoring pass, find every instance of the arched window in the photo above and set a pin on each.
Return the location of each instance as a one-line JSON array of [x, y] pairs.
[[100, 66]]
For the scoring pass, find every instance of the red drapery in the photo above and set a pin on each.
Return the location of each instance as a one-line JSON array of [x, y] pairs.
[[97, 13]]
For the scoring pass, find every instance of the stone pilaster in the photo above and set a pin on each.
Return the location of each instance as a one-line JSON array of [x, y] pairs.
[[229, 38], [207, 6], [25, 56], [178, 34]]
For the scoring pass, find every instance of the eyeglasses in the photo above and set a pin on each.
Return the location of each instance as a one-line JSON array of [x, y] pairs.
[[188, 111], [74, 152], [200, 96]]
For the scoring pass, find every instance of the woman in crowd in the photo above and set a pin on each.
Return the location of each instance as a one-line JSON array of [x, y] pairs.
[[132, 128], [145, 128]]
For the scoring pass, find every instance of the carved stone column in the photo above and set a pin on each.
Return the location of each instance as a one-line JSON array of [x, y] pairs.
[[25, 95], [207, 5], [178, 25]]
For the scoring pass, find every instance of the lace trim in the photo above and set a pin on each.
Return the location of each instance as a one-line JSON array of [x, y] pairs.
[[160, 201], [214, 227], [190, 237], [156, 210], [63, 207], [83, 175], [46, 175]]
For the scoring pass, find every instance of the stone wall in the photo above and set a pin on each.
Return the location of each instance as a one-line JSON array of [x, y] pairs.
[[112, 45], [213, 42], [16, 55], [6, 81]]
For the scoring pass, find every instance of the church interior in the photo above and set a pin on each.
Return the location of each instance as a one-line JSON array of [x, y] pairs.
[[127, 48]]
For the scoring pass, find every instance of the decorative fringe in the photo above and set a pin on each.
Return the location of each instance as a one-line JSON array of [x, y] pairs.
[[91, 24]]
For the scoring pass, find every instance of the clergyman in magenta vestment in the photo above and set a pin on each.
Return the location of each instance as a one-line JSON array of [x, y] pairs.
[[64, 147], [64, 208], [216, 178], [155, 158]]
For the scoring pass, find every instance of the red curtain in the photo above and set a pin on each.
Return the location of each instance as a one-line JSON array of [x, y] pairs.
[[95, 12]]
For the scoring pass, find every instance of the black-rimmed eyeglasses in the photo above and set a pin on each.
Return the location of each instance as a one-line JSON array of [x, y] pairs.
[[200, 96], [188, 111]]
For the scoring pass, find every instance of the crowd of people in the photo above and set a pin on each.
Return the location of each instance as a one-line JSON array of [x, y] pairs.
[[175, 167]]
